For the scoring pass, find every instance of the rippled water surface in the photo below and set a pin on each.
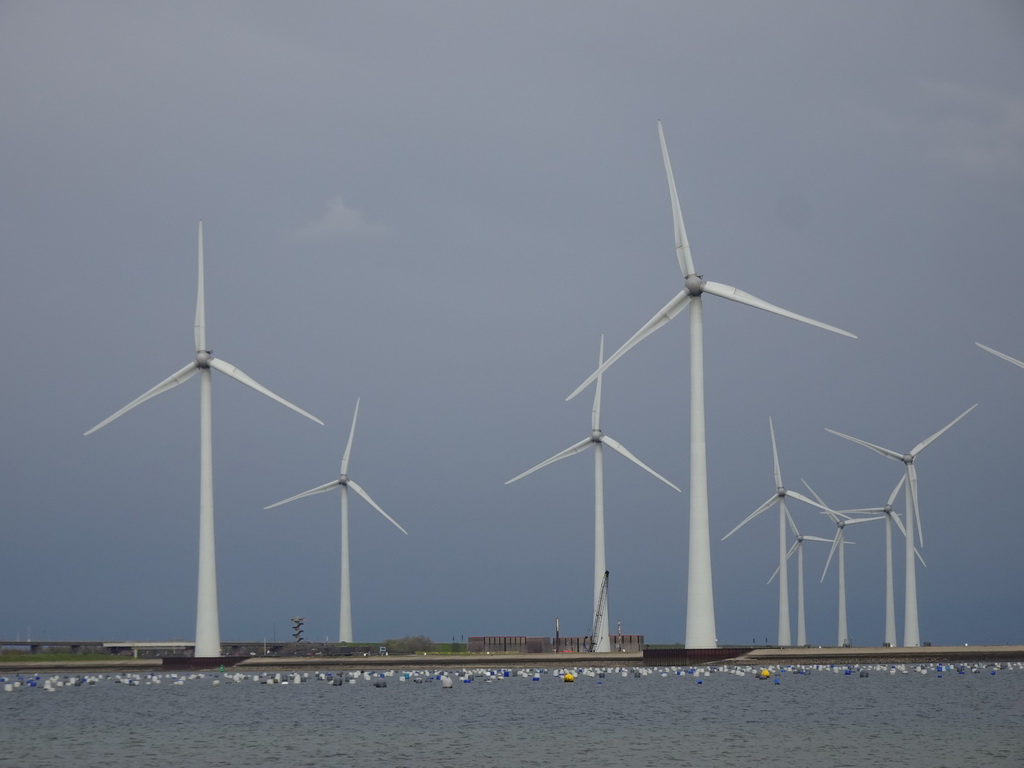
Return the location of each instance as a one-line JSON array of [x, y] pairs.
[[822, 718]]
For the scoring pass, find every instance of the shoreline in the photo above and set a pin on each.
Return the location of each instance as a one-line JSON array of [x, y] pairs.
[[982, 654]]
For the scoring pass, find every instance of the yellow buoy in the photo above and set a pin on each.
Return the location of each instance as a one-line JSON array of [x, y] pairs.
[[764, 674], [568, 677]]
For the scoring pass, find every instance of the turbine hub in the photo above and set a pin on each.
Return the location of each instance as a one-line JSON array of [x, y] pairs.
[[908, 458], [343, 480], [596, 435], [203, 357], [780, 491], [694, 285]]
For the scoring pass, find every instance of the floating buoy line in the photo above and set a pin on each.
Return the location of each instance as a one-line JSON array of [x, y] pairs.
[[445, 679]]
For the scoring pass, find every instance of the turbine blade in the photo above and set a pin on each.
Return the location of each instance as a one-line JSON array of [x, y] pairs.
[[312, 492], [595, 413], [348, 445], [792, 524], [1009, 359], [682, 244], [170, 382], [835, 543], [821, 504], [229, 370], [926, 442], [621, 449], [767, 505], [372, 503], [793, 549], [788, 555], [665, 314], [912, 476], [775, 455], [582, 445], [805, 500], [816, 538], [742, 297], [865, 511], [920, 558], [899, 524], [200, 324], [864, 520], [896, 490], [876, 448]]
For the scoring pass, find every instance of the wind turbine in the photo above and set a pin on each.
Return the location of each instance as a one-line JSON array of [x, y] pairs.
[[841, 519], [598, 440], [344, 482], [700, 608], [207, 617], [798, 547], [890, 600], [779, 497], [911, 628]]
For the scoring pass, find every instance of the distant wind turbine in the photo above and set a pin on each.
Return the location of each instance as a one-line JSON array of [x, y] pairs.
[[841, 519], [598, 440], [798, 547], [700, 608], [207, 617], [911, 627], [779, 497], [890, 599], [344, 482]]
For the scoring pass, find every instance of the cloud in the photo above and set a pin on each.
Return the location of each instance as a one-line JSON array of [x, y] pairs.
[[339, 220]]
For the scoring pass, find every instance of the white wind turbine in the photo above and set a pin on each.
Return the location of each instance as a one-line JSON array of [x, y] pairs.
[[207, 617], [911, 628], [597, 439], [779, 497], [841, 519], [700, 608], [798, 547], [344, 482], [890, 599]]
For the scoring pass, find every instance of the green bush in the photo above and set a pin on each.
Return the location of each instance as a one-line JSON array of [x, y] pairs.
[[417, 644]]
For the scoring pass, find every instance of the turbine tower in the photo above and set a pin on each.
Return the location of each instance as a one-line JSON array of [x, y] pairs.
[[911, 628], [779, 497], [598, 440], [344, 482], [798, 547], [207, 616], [700, 608]]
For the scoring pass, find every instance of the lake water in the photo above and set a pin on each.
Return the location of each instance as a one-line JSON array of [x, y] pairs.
[[818, 718]]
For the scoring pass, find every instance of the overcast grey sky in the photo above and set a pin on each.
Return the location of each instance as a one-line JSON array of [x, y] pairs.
[[439, 208]]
